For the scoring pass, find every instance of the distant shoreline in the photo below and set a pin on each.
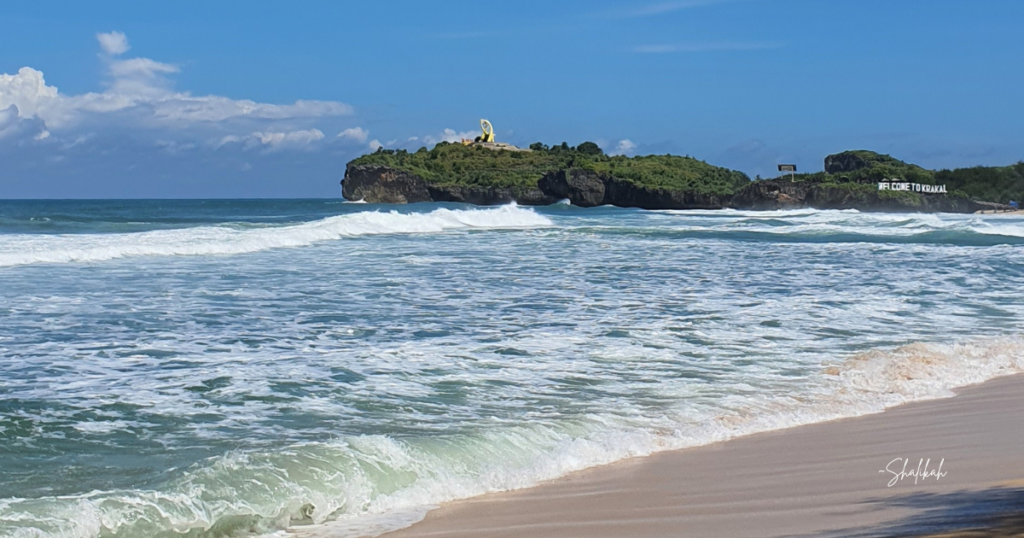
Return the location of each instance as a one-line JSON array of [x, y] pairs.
[[1000, 212], [861, 180]]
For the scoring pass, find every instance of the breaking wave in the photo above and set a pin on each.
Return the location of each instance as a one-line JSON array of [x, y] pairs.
[[842, 226], [370, 484], [233, 239]]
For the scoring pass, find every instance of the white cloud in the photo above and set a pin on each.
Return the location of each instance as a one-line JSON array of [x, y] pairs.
[[703, 47], [624, 147], [140, 78], [274, 140], [8, 121], [449, 135], [14, 126], [354, 134], [296, 138], [375, 145], [140, 95], [27, 91], [113, 43]]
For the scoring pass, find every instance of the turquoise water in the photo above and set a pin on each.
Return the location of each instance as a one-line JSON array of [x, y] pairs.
[[208, 368]]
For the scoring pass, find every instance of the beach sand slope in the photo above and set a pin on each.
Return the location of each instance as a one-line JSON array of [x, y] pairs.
[[817, 480]]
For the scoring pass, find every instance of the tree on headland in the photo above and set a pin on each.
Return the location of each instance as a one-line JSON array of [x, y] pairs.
[[590, 148], [455, 164]]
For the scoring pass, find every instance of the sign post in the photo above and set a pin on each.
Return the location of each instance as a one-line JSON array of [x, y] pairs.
[[791, 168]]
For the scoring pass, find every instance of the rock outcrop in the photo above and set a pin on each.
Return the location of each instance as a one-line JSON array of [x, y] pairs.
[[385, 185], [585, 188], [845, 162], [589, 189], [784, 194]]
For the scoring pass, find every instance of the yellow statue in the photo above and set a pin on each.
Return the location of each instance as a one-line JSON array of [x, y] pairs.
[[488, 134]]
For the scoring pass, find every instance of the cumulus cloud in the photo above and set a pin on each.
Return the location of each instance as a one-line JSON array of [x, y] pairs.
[[8, 120], [15, 127], [449, 135], [27, 91], [375, 145], [624, 147], [141, 94], [113, 43], [140, 78], [273, 140], [298, 138], [357, 135]]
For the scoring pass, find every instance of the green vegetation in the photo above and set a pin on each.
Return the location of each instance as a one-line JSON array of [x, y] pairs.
[[865, 168], [871, 167], [455, 164], [856, 171], [990, 183]]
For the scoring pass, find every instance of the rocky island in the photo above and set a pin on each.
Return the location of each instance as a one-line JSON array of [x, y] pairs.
[[587, 177]]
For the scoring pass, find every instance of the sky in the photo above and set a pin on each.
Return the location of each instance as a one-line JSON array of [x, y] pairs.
[[199, 99]]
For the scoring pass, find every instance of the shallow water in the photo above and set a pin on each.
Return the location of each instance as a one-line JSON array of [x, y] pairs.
[[216, 367]]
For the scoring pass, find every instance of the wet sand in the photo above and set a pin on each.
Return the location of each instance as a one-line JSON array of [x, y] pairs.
[[816, 480]]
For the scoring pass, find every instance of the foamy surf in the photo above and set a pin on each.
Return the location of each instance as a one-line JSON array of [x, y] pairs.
[[833, 223], [347, 388], [368, 485], [227, 240]]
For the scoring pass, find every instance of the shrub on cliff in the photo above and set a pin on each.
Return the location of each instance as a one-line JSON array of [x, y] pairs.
[[455, 164], [991, 183]]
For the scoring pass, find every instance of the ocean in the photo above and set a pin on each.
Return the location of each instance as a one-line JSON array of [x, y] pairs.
[[218, 368]]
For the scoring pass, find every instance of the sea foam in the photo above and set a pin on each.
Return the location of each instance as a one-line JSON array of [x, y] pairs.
[[366, 485], [440, 370], [227, 240]]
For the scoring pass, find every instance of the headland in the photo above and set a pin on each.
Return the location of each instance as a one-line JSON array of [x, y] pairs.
[[587, 177]]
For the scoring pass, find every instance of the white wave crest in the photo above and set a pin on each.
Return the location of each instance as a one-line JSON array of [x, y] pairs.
[[362, 486], [833, 222], [226, 240]]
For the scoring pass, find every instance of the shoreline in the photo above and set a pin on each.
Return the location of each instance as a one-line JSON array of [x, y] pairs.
[[824, 479], [1000, 212]]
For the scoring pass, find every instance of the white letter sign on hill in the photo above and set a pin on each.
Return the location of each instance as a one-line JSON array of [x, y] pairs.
[[896, 185]]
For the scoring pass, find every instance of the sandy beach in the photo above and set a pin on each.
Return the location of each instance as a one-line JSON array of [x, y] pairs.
[[820, 480]]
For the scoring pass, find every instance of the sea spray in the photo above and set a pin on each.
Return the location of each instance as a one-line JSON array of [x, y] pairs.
[[358, 380], [228, 239], [387, 481]]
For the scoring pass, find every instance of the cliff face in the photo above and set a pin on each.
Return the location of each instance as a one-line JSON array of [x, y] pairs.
[[584, 188], [589, 189], [784, 194], [385, 185]]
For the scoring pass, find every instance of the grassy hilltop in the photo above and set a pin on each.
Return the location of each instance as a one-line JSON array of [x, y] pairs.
[[860, 170], [454, 172], [458, 165]]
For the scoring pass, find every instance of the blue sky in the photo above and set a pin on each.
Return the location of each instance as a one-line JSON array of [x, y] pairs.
[[244, 99]]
